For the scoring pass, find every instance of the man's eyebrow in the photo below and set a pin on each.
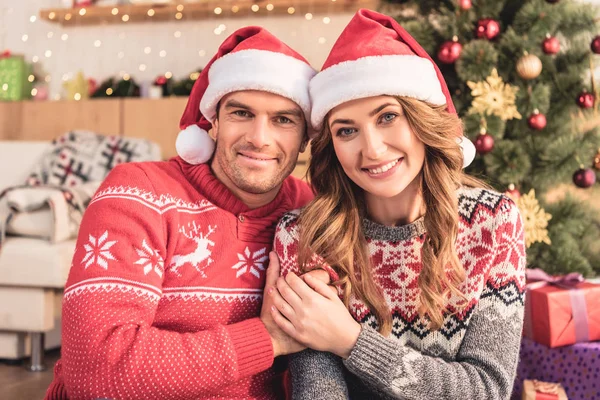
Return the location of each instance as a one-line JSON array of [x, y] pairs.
[[236, 104], [292, 111]]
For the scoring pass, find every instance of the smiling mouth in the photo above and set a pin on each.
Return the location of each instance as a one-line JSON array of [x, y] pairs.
[[259, 158], [383, 168]]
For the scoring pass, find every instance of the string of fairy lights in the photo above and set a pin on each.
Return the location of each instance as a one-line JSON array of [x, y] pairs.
[[127, 14]]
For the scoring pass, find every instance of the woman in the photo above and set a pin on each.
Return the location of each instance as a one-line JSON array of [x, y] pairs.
[[429, 264]]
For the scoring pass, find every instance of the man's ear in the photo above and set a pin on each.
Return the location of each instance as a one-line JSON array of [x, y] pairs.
[[215, 129], [304, 143]]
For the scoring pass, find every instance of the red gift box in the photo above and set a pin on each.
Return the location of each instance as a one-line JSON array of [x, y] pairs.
[[561, 311], [536, 390]]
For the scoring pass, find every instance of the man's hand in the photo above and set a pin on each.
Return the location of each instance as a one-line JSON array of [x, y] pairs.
[[282, 343]]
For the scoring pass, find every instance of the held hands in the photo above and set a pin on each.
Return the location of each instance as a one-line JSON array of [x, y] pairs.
[[282, 343], [311, 312]]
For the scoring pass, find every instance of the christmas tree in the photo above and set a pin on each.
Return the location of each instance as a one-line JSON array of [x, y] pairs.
[[521, 76]]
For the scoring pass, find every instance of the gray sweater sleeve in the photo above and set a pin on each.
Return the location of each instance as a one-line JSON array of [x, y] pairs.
[[484, 367], [317, 375]]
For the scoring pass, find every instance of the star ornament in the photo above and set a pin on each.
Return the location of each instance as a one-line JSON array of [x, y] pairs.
[[77, 88], [535, 219], [494, 97]]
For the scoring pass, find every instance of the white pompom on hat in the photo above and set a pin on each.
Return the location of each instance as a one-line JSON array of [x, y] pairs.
[[250, 59], [375, 56], [194, 145]]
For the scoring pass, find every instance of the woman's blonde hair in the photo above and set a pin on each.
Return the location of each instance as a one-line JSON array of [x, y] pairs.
[[331, 225]]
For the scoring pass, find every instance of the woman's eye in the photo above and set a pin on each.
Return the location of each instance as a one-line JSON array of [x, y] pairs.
[[345, 131], [388, 117]]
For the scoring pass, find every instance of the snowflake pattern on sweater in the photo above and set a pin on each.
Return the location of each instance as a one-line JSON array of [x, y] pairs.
[[155, 305], [97, 251], [251, 262], [150, 259]]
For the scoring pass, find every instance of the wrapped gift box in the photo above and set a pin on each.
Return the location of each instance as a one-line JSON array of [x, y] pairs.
[[538, 390], [576, 368], [14, 74], [562, 313]]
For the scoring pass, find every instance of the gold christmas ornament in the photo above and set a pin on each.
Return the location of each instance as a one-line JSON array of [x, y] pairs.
[[529, 66], [494, 97], [597, 161], [535, 219]]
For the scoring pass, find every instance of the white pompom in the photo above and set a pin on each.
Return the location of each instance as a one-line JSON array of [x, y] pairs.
[[194, 145], [468, 149]]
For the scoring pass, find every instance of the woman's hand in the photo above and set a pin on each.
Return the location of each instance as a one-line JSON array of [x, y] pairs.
[[310, 312]]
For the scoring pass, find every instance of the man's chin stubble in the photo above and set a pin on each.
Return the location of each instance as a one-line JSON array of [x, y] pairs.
[[249, 187]]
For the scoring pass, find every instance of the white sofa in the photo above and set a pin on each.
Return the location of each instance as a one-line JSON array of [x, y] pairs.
[[33, 272]]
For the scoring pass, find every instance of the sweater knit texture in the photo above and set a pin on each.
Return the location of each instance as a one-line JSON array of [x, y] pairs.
[[165, 289], [474, 354]]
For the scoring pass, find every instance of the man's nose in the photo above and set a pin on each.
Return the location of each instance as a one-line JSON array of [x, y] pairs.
[[260, 132]]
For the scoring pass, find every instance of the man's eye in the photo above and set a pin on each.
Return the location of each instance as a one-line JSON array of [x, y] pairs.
[[284, 120], [241, 113]]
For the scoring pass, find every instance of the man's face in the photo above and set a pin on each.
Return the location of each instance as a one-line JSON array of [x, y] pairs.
[[259, 136]]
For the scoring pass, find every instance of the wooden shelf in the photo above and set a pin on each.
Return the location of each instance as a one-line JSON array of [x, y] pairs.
[[205, 9]]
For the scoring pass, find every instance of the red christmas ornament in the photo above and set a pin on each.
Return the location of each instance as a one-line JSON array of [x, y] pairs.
[[160, 81], [82, 3], [449, 51], [484, 143], [584, 177], [550, 45], [92, 86], [586, 100], [537, 121], [465, 4], [513, 192], [596, 45], [487, 28]]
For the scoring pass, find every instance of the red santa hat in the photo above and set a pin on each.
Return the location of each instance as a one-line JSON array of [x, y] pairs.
[[375, 56], [250, 59]]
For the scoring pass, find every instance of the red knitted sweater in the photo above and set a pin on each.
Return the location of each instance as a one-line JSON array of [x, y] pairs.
[[165, 288]]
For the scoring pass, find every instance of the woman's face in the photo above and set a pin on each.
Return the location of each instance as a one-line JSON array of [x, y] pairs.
[[376, 146]]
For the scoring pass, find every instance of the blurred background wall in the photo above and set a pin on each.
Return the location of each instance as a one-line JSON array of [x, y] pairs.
[[146, 50]]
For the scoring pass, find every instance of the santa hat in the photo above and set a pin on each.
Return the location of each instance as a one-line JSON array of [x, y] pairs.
[[250, 59], [375, 56]]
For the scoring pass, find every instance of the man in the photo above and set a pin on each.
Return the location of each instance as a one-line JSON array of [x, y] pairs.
[[164, 294]]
